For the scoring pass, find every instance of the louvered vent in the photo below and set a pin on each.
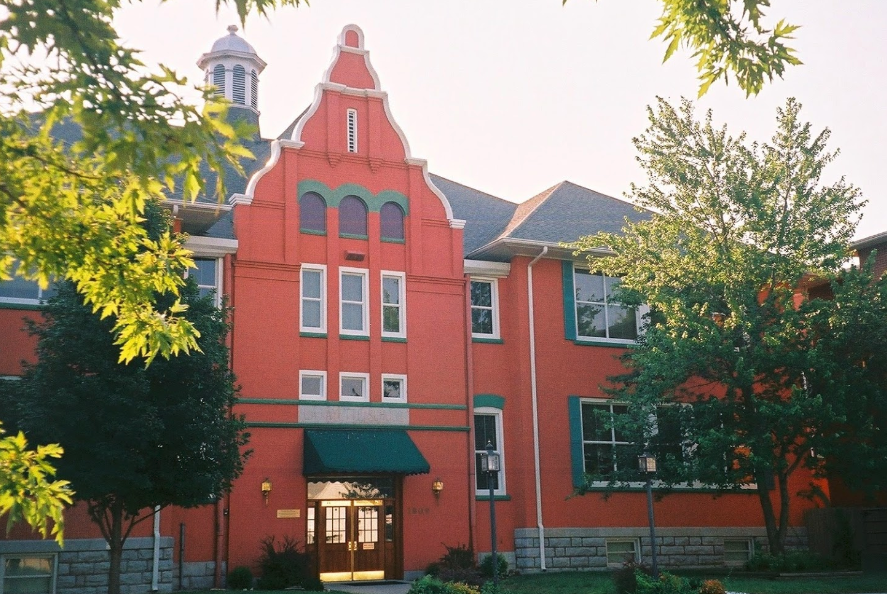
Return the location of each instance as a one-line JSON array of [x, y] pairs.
[[219, 79], [239, 85], [254, 83], [352, 130]]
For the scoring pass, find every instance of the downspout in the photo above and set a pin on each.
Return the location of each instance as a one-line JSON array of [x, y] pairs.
[[155, 567], [537, 467]]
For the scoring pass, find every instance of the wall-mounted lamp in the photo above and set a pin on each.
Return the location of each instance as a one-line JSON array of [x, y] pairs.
[[266, 489], [437, 487]]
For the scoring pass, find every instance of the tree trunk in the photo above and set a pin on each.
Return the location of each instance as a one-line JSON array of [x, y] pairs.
[[775, 535], [115, 543]]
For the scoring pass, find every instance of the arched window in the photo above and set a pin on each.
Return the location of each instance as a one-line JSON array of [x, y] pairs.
[[391, 217], [239, 85], [312, 213], [352, 216], [254, 86], [219, 79]]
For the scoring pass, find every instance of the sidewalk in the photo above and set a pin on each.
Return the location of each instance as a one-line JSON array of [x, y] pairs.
[[388, 587]]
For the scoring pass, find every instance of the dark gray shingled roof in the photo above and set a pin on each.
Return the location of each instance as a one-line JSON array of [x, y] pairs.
[[485, 215]]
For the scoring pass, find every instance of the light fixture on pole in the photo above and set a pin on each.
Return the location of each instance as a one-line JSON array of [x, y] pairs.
[[490, 464], [647, 466]]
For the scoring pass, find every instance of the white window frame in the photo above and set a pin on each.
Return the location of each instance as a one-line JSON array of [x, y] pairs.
[[599, 402], [401, 305], [500, 438], [620, 562], [639, 312], [394, 377], [316, 373], [351, 375], [217, 280], [53, 576], [365, 275], [321, 268], [351, 129], [749, 549], [494, 306]]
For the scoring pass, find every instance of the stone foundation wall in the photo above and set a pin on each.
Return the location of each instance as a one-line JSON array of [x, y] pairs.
[[197, 575], [586, 548], [82, 566]]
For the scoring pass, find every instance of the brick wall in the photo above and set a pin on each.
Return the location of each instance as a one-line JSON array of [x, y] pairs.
[[586, 548]]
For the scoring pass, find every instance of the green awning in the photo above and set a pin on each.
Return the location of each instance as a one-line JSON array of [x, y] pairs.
[[362, 451]]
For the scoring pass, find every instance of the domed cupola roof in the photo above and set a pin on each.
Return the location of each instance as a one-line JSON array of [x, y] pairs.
[[233, 46]]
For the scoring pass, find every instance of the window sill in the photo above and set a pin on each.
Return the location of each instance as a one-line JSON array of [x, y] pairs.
[[479, 497], [603, 342], [313, 334], [393, 240], [393, 339], [25, 306], [637, 487], [490, 340], [353, 337], [352, 236], [312, 232]]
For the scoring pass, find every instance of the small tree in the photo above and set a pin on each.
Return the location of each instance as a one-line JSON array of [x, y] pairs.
[[135, 437], [738, 233]]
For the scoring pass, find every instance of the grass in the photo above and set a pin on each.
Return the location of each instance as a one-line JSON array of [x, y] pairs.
[[591, 582]]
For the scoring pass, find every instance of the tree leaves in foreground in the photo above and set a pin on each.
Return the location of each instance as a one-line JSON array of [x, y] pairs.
[[756, 321], [71, 209], [727, 38], [28, 491], [134, 437]]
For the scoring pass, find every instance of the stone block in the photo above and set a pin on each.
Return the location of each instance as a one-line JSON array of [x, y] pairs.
[[557, 542], [593, 542], [145, 554], [136, 566], [582, 551], [92, 556], [682, 540], [695, 540], [64, 581], [699, 550], [712, 540], [81, 569], [559, 562], [96, 580]]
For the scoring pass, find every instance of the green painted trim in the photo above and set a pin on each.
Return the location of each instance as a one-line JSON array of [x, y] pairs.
[[489, 401], [352, 236], [569, 301], [264, 425], [577, 456], [495, 497], [22, 306], [391, 240], [487, 340], [333, 197], [642, 489], [353, 337], [605, 343], [311, 232], [290, 402], [313, 334], [393, 339]]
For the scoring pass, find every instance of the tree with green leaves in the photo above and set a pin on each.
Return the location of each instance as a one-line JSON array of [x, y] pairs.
[[28, 491], [727, 38], [135, 438], [743, 368], [71, 210]]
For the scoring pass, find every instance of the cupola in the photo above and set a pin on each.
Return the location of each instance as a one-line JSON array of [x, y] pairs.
[[233, 68]]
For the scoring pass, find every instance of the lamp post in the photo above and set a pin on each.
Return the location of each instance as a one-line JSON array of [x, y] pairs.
[[647, 465], [490, 463]]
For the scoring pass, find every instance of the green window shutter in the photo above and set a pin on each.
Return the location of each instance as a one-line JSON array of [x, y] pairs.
[[576, 454], [569, 302]]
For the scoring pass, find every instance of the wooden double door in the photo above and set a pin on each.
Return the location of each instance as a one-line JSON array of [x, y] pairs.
[[355, 539]]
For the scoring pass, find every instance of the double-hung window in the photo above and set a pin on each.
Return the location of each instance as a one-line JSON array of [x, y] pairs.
[[394, 320], [313, 288], [27, 574], [25, 292], [208, 277], [353, 318], [602, 442], [484, 308], [488, 429], [598, 313]]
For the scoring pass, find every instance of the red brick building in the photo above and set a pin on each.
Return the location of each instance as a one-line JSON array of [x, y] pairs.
[[387, 325]]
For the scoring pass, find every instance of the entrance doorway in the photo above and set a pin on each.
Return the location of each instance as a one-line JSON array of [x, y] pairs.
[[352, 526]]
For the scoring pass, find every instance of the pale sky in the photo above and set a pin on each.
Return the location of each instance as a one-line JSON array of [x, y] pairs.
[[513, 96]]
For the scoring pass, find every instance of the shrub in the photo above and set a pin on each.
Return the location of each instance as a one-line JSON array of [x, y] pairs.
[[283, 565], [312, 584], [457, 565], [666, 584], [431, 585], [712, 587], [240, 578], [625, 579], [486, 566], [788, 562]]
